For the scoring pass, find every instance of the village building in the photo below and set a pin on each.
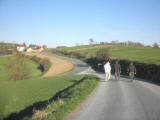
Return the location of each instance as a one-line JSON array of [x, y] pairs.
[[35, 49], [21, 48]]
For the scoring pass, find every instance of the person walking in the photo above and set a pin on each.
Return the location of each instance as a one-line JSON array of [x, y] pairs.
[[131, 70], [117, 68], [107, 69]]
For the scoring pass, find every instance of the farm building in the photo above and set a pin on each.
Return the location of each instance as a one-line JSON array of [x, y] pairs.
[[24, 48], [37, 49], [21, 48]]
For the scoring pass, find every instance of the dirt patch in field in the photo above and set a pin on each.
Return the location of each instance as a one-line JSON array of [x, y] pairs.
[[58, 66]]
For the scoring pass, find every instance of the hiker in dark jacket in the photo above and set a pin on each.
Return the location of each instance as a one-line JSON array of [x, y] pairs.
[[131, 70], [117, 68]]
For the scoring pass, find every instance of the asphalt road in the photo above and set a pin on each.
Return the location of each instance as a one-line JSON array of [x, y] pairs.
[[118, 100]]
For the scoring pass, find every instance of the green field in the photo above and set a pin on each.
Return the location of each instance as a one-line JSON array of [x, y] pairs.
[[17, 95], [142, 54], [28, 66], [68, 100]]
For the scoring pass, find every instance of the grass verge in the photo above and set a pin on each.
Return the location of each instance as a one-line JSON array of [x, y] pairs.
[[57, 96], [67, 100]]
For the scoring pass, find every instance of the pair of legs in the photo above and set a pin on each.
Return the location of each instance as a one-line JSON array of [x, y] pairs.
[[131, 76], [117, 75], [108, 76]]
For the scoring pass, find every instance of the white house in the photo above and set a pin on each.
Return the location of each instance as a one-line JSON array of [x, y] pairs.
[[21, 48], [37, 49], [24, 48]]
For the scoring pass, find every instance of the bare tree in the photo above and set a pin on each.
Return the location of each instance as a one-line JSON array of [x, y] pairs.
[[103, 54], [155, 45], [91, 41]]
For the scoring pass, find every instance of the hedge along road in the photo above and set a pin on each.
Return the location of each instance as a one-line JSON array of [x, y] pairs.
[[58, 66], [117, 100]]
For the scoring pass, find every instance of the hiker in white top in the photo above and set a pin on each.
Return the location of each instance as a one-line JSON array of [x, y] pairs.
[[107, 69]]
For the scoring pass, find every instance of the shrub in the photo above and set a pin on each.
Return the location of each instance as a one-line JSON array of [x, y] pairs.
[[7, 48], [44, 63], [16, 67], [103, 54]]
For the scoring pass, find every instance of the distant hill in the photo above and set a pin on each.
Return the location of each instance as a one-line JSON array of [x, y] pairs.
[[136, 53]]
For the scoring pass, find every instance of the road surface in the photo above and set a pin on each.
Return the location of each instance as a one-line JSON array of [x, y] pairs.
[[118, 100]]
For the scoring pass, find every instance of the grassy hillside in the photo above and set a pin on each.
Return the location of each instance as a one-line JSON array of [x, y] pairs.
[[28, 66], [141, 54], [7, 48], [17, 95]]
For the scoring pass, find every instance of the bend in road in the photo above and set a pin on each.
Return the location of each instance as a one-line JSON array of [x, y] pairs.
[[117, 100]]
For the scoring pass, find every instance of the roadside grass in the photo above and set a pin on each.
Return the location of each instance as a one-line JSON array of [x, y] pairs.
[[141, 54], [67, 100], [17, 97], [29, 66]]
